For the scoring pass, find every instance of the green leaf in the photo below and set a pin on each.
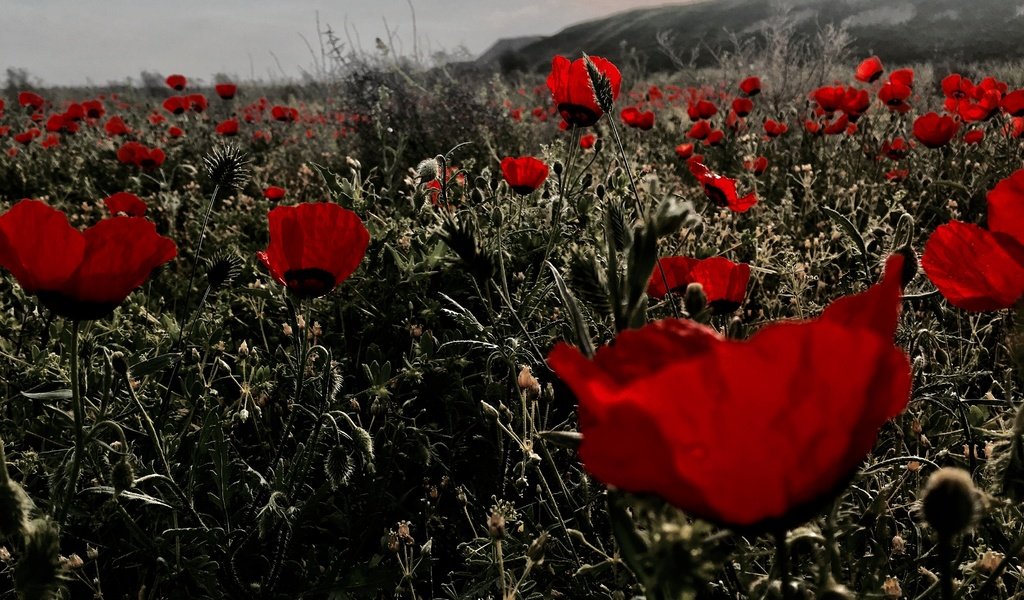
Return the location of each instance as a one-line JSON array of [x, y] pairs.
[[61, 394], [851, 230], [575, 315]]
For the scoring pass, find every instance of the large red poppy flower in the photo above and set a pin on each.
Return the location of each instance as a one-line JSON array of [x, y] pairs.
[[755, 434], [935, 131], [572, 92], [829, 98], [869, 70], [31, 100], [721, 190], [79, 275], [524, 174], [977, 269], [176, 82], [314, 247], [226, 91], [742, 106], [751, 86], [1013, 103], [724, 282], [127, 203]]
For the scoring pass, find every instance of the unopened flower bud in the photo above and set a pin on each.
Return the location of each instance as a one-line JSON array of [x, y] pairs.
[[119, 364], [949, 502], [694, 299], [536, 550], [496, 525], [528, 383], [427, 170], [122, 476]]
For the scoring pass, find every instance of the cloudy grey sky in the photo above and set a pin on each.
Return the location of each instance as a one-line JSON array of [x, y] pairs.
[[79, 41]]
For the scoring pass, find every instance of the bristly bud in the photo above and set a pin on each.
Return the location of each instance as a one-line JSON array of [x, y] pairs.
[[225, 267], [339, 466], [14, 507], [427, 169], [694, 299], [496, 525], [37, 576], [119, 362], [528, 383], [602, 86], [227, 166], [949, 502], [122, 476]]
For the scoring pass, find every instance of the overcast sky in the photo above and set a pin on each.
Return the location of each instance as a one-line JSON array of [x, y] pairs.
[[79, 41]]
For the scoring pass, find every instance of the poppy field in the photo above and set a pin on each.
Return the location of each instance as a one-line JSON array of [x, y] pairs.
[[585, 333]]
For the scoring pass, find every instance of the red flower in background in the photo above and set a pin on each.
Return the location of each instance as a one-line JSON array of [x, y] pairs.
[[684, 150], [51, 141], [1013, 103], [284, 114], [897, 149], [27, 136], [633, 117], [869, 70], [134, 153], [197, 102], [31, 100], [94, 109], [701, 110], [935, 131], [659, 416], [974, 136], [721, 190], [274, 193], [79, 275], [226, 91], [829, 98], [175, 132], [742, 106], [524, 174], [751, 86], [313, 247], [774, 129], [587, 141], [699, 131], [977, 269], [176, 105], [724, 282], [757, 166], [227, 127], [176, 82], [127, 203], [572, 92]]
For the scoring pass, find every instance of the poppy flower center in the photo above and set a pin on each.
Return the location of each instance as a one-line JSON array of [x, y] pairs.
[[576, 114], [716, 195], [73, 308], [309, 283]]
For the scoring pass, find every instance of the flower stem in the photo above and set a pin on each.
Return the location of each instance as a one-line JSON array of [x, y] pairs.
[[79, 413], [946, 567], [782, 564]]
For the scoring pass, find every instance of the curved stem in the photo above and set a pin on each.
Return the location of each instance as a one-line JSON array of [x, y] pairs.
[[79, 413], [782, 563]]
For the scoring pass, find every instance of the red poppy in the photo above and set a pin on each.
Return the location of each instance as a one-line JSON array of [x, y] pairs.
[[51, 141], [227, 127], [524, 174], [31, 100], [895, 95], [285, 114], [156, 118], [742, 106], [897, 174], [724, 282], [774, 128], [313, 247], [175, 132], [757, 166], [127, 203], [587, 141], [176, 105], [977, 269], [974, 136], [197, 102], [897, 149], [27, 136], [869, 70], [572, 92], [638, 119], [226, 91], [934, 131], [721, 190], [57, 124], [176, 82], [715, 137], [855, 103], [93, 109], [684, 150], [815, 393], [134, 153], [1013, 103], [837, 126], [274, 193], [699, 131], [701, 110], [751, 86], [829, 98], [79, 275]]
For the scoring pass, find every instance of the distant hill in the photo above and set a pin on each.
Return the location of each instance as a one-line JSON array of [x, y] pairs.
[[899, 31]]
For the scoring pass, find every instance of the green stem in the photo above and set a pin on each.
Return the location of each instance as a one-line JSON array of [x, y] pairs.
[[300, 373], [782, 564], [946, 567], [79, 413]]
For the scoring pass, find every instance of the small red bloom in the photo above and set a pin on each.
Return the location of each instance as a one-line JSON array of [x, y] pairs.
[[127, 203], [572, 92], [701, 110], [176, 82], [897, 174], [524, 174], [79, 275], [226, 91], [27, 136], [176, 105], [829, 98], [897, 149], [699, 131], [587, 141], [977, 269], [94, 109], [742, 106], [663, 410], [313, 247], [1013, 103], [974, 136], [721, 190], [684, 150], [715, 137], [227, 127], [934, 131], [774, 129], [31, 100], [869, 70], [285, 114], [751, 86], [197, 102], [274, 193], [757, 166], [134, 153], [175, 132], [895, 96], [724, 282], [51, 140], [633, 117]]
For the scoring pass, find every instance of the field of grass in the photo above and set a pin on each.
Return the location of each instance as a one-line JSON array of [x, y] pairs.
[[397, 417]]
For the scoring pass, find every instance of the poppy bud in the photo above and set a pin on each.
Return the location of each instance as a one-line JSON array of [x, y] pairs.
[[600, 191], [119, 364], [490, 411], [948, 502], [38, 572], [122, 476], [14, 506], [496, 525], [694, 300], [536, 550], [528, 383], [557, 167]]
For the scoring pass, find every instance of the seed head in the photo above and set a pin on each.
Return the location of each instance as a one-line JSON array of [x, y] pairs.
[[427, 169], [225, 267], [602, 86], [227, 166], [949, 502]]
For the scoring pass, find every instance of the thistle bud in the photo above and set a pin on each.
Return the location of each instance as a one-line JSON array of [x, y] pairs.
[[557, 167], [948, 502], [694, 299], [427, 169], [227, 166]]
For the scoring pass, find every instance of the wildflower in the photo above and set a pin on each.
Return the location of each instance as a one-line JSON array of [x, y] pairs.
[[274, 193], [724, 282], [225, 90], [176, 82], [127, 203], [721, 190], [573, 93], [524, 174], [633, 117], [934, 131], [751, 86], [869, 70]]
